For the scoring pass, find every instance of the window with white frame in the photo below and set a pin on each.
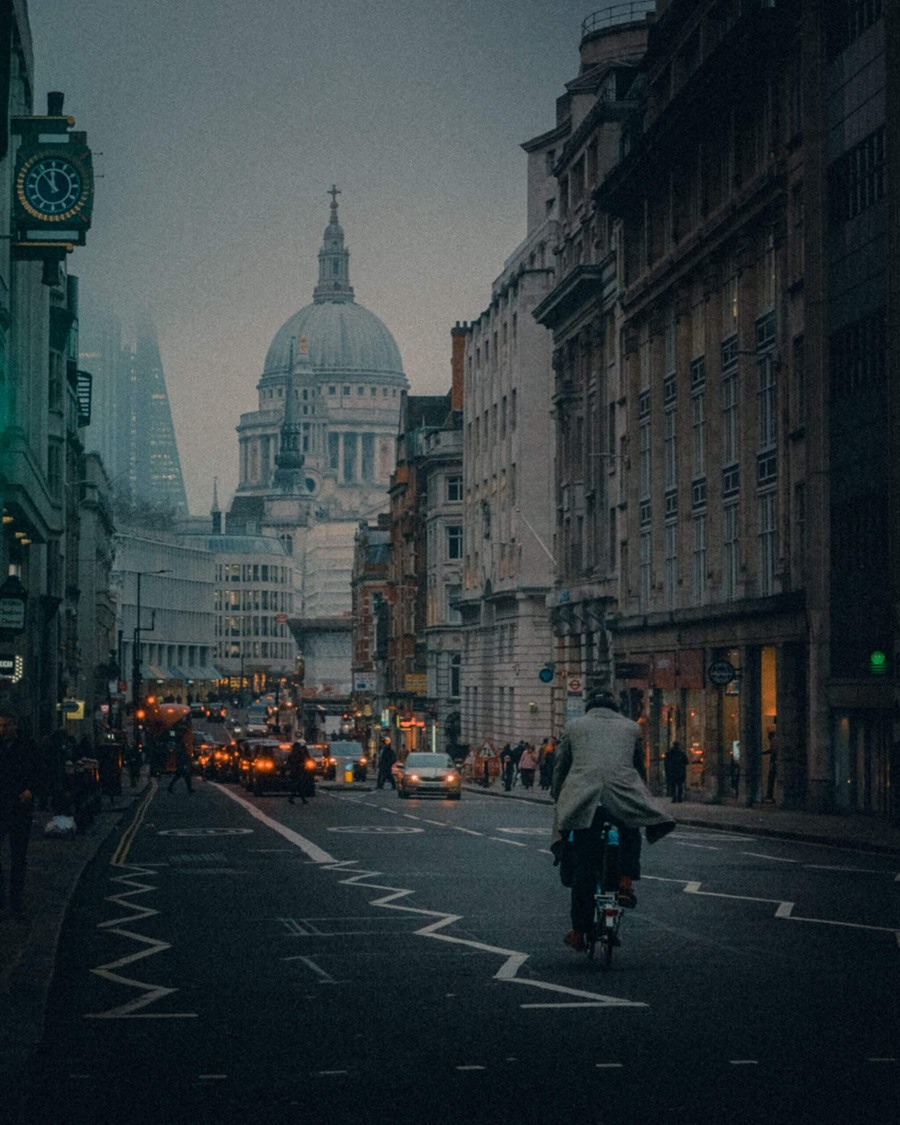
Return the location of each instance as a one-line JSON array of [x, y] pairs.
[[454, 541], [731, 543], [701, 560], [671, 567], [646, 568], [768, 543]]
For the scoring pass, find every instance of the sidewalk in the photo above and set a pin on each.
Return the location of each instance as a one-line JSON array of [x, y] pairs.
[[28, 945], [862, 833]]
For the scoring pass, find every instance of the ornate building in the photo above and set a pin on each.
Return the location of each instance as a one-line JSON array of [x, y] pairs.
[[317, 454]]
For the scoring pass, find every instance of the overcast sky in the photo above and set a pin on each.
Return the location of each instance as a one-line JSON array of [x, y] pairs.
[[218, 126]]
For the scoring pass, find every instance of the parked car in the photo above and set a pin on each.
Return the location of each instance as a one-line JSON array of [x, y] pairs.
[[426, 773]]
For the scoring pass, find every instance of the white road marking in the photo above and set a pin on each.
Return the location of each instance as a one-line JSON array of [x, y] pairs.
[[150, 992], [513, 959], [609, 1066], [468, 831], [515, 843], [700, 847], [854, 870], [325, 978], [471, 1066], [773, 858], [306, 846], [744, 1062], [783, 909]]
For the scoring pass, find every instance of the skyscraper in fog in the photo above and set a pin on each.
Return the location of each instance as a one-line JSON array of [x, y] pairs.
[[131, 424]]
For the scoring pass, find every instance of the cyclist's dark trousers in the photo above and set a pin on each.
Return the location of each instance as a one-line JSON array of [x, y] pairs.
[[587, 847]]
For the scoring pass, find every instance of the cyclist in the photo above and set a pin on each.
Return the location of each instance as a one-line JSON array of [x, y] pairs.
[[597, 778]]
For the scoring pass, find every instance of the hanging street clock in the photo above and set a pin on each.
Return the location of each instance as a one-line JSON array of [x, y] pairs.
[[53, 185]]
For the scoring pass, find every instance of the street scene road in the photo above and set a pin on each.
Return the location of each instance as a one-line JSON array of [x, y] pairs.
[[364, 958]]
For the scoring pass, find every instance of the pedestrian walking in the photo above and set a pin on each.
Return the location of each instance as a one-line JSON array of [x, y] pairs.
[[183, 766], [676, 763], [386, 759], [528, 766], [18, 771], [299, 773]]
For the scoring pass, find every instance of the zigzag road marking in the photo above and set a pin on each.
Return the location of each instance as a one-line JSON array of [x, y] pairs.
[[514, 959], [150, 993], [783, 909]]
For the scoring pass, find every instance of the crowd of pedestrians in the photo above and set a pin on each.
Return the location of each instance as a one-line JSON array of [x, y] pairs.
[[525, 763]]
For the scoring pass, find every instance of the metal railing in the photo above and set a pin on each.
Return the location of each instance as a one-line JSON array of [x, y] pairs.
[[630, 11]]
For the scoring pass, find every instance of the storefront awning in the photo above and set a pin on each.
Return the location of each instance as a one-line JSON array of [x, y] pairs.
[[204, 672], [154, 672]]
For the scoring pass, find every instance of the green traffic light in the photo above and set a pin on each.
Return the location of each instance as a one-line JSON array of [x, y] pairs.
[[878, 660]]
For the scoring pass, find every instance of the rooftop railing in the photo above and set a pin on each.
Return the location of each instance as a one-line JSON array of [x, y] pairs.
[[630, 11]]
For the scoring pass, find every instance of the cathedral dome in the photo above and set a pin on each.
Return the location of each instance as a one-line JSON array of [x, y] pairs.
[[342, 337]]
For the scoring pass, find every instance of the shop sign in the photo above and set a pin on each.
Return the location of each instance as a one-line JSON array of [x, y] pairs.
[[416, 683], [13, 597], [721, 672]]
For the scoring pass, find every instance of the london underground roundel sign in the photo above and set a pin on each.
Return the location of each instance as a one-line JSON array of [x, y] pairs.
[[721, 672]]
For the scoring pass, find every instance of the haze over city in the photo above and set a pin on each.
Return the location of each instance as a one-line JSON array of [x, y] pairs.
[[217, 130]]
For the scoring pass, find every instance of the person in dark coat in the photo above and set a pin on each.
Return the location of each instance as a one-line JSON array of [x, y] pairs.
[[183, 767], [297, 771], [676, 767], [18, 773], [507, 767], [386, 759]]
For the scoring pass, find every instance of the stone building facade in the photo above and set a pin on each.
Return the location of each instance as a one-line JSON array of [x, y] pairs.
[[724, 400]]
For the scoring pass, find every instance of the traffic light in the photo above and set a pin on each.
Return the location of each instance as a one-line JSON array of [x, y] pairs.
[[878, 662]]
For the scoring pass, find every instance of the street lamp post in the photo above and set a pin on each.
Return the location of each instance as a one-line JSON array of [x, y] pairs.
[[136, 652]]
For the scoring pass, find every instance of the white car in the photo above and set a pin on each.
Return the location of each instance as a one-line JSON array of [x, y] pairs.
[[426, 773]]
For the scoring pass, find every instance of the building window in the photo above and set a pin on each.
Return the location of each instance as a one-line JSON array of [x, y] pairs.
[[858, 355], [799, 349], [767, 403], [847, 20], [730, 434], [671, 568], [646, 568], [698, 434], [701, 562], [731, 544], [644, 458], [455, 675], [671, 449], [768, 543], [857, 180], [454, 541], [800, 530]]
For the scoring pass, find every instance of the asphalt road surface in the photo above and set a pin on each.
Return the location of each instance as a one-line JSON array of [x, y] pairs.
[[367, 959]]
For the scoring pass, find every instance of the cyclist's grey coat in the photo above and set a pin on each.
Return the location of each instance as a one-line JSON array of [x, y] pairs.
[[595, 765]]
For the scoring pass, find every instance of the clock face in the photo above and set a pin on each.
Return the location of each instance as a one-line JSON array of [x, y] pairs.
[[51, 187]]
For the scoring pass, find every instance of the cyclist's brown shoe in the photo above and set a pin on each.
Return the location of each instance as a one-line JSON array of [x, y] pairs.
[[575, 940]]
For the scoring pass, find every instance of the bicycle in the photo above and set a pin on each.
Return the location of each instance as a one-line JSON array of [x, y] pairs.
[[608, 912]]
